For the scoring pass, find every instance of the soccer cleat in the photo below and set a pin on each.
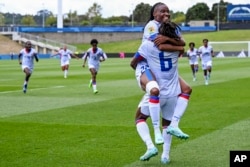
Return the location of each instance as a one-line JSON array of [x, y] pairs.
[[24, 88], [65, 76], [194, 79], [206, 82], [158, 139], [149, 154], [165, 160], [95, 91], [175, 131], [90, 84]]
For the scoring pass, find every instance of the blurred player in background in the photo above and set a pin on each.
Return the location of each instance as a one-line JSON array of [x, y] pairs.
[[206, 53], [193, 56], [94, 55], [26, 59], [65, 56]]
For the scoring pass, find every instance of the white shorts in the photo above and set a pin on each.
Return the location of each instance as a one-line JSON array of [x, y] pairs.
[[96, 67], [144, 100], [64, 62], [207, 64], [140, 69], [25, 66], [167, 106], [193, 62]]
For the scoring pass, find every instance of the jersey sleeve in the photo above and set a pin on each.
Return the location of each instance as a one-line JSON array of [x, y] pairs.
[[150, 29], [143, 50]]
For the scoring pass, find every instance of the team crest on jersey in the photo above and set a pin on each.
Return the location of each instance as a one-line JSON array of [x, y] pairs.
[[151, 30]]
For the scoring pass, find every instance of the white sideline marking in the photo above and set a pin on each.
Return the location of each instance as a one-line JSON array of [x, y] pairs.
[[32, 89]]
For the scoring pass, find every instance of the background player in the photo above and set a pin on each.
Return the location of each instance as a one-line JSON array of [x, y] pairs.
[[206, 53], [193, 56], [26, 59], [65, 56], [94, 55]]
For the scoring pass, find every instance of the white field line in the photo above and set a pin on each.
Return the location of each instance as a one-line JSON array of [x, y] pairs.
[[32, 89]]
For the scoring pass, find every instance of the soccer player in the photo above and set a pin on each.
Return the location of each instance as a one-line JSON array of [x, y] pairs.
[[159, 13], [164, 65], [94, 55], [146, 80], [157, 16], [206, 53], [26, 59], [192, 55], [65, 56]]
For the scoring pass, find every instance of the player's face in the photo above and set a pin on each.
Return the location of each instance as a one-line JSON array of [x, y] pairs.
[[28, 45], [191, 46], [94, 45], [161, 13], [205, 43]]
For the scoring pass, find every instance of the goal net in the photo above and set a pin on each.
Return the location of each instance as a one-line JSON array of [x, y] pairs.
[[231, 48]]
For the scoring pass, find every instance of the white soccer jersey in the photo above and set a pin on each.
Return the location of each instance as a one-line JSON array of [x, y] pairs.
[[205, 54], [164, 65], [65, 56], [94, 57], [28, 58], [150, 29], [193, 56]]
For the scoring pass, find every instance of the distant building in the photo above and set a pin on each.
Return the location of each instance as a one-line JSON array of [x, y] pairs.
[[201, 23]]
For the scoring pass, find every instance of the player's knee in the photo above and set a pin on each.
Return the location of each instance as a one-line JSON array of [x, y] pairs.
[[154, 92], [139, 115], [152, 88]]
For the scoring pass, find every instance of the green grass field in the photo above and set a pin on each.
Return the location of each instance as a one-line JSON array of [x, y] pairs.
[[60, 122]]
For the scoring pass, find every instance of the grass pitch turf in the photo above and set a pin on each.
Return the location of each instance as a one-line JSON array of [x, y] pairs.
[[60, 122]]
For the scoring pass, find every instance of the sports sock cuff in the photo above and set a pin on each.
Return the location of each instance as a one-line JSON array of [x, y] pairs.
[[139, 121], [185, 96], [154, 99]]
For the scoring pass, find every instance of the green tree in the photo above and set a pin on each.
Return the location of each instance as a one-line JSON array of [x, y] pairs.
[[141, 13], [178, 17], [200, 11], [41, 16], [83, 20], [98, 20], [220, 7], [116, 20], [72, 18], [94, 11], [28, 20], [51, 21], [94, 14]]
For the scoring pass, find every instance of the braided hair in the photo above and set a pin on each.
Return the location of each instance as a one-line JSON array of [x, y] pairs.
[[151, 17], [169, 29]]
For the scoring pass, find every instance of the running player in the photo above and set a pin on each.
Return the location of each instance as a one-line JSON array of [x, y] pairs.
[[192, 55], [94, 55], [206, 53], [26, 59], [65, 56]]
